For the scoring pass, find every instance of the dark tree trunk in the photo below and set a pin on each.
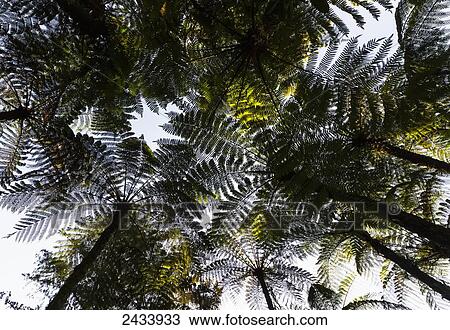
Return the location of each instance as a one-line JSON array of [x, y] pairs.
[[79, 272], [413, 157], [409, 156], [406, 264], [260, 276], [19, 113], [439, 236]]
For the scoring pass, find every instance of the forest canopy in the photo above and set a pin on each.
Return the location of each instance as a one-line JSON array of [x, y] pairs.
[[302, 160]]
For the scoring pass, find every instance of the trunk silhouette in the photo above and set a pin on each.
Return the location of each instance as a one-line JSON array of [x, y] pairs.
[[259, 273], [413, 157], [438, 235], [80, 271], [401, 153], [19, 113], [405, 264]]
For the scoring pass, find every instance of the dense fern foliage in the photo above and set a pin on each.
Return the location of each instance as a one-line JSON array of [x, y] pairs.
[[303, 162]]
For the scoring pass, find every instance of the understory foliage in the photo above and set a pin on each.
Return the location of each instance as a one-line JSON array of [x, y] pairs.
[[307, 170]]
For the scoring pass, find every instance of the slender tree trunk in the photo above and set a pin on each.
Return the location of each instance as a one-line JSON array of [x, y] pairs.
[[438, 235], [413, 157], [19, 113], [406, 264], [260, 276], [79, 272]]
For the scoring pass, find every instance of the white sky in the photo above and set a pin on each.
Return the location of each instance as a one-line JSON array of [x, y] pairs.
[[17, 258]]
